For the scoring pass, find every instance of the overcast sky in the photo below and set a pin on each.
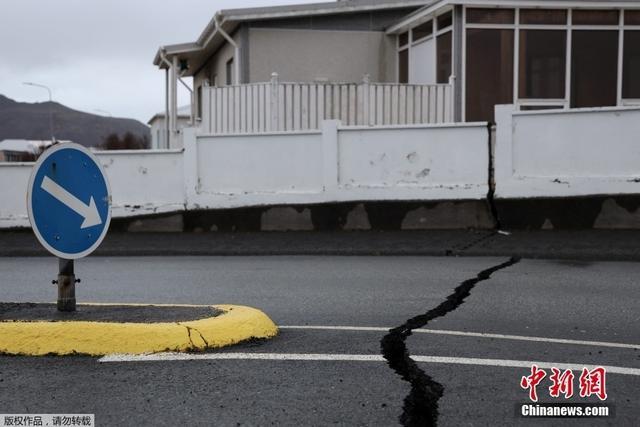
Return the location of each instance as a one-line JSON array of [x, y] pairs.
[[97, 54]]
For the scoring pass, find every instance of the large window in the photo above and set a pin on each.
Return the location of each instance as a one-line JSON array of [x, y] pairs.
[[631, 65], [542, 64], [489, 76], [594, 65]]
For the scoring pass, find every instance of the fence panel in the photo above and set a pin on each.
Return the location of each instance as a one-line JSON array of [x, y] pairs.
[[282, 107]]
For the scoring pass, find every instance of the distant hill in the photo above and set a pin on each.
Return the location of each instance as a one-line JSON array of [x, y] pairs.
[[22, 120]]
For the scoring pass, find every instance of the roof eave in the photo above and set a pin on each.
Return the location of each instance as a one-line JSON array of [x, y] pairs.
[[410, 20], [277, 12], [175, 49]]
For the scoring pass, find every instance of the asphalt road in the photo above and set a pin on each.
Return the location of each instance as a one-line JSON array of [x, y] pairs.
[[580, 301]]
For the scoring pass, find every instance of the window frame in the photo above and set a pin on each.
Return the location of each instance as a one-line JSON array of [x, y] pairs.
[[569, 27], [411, 42]]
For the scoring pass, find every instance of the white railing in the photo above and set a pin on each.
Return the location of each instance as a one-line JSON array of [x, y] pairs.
[[277, 107]]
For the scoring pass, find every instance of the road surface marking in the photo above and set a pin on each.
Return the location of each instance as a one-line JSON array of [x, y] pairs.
[[163, 357], [471, 334]]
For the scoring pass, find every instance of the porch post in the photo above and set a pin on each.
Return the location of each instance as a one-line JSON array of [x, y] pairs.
[[206, 111], [274, 102], [458, 53], [237, 60], [165, 139], [174, 99]]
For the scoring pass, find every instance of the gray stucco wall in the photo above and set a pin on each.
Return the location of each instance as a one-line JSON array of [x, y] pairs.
[[216, 65], [299, 55]]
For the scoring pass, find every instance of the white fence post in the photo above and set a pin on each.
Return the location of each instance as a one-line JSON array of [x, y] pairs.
[[452, 98], [365, 100], [190, 166], [330, 154], [274, 102], [502, 149], [205, 112]]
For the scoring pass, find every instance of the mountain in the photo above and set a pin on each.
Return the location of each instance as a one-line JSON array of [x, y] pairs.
[[22, 120]]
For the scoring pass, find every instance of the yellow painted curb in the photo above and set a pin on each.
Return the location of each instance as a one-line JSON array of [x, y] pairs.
[[38, 338]]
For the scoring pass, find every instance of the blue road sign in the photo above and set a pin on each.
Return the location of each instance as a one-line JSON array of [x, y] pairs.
[[69, 201]]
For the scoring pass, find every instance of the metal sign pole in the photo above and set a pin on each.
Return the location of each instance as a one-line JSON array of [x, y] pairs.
[[69, 212], [66, 285]]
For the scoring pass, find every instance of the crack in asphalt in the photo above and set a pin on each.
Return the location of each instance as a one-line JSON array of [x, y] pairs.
[[421, 404]]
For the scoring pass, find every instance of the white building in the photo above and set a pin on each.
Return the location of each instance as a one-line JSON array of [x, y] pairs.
[[17, 150], [159, 129]]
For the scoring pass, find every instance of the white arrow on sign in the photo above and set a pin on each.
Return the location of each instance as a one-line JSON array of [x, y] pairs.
[[88, 212]]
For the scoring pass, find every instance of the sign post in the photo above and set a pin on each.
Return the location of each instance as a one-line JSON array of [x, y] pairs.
[[66, 285], [69, 205]]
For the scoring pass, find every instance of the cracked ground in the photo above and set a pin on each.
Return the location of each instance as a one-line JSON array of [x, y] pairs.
[[587, 302]]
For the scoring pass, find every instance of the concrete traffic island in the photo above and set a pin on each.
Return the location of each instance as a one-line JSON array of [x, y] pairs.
[[30, 329]]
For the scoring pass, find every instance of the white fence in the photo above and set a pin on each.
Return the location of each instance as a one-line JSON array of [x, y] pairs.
[[561, 153], [537, 154], [419, 162], [276, 107], [142, 182]]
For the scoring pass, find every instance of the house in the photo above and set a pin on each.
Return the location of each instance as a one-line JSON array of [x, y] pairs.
[[403, 114], [159, 126], [534, 54], [446, 60], [22, 150], [323, 43]]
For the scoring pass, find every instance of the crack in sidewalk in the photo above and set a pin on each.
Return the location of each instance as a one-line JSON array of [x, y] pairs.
[[189, 329], [421, 405]]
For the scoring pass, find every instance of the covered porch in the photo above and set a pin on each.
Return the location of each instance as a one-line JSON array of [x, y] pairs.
[[533, 54]]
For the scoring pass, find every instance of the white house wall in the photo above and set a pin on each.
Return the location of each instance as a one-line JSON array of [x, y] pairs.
[[422, 62], [567, 152], [216, 66]]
